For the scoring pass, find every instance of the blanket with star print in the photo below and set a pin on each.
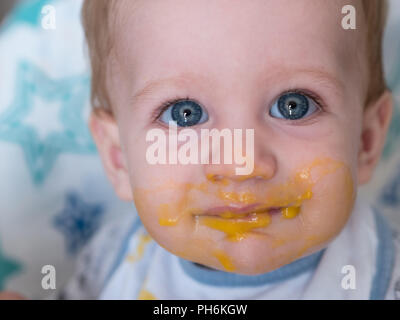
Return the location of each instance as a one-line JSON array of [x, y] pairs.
[[54, 194]]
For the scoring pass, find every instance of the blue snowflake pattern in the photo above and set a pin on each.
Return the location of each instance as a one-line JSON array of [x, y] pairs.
[[78, 221]]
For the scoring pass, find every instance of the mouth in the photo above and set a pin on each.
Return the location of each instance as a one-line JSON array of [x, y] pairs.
[[238, 222], [242, 213]]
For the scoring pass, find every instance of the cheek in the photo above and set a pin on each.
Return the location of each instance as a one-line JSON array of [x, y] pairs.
[[334, 182], [320, 220], [148, 205], [332, 204], [165, 211], [325, 215]]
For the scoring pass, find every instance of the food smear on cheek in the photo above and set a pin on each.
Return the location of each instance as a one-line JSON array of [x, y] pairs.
[[169, 214], [165, 218]]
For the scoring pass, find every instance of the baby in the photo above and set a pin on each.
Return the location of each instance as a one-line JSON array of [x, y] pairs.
[[313, 95]]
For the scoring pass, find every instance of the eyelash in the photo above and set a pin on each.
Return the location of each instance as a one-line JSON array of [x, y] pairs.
[[309, 94], [166, 104]]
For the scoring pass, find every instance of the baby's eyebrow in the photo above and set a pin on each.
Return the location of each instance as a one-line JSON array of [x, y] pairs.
[[320, 76], [172, 81]]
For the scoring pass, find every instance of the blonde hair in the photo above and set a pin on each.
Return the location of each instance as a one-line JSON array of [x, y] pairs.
[[375, 12], [97, 22]]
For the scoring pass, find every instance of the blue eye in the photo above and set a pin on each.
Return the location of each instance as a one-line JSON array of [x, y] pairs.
[[293, 106], [184, 113]]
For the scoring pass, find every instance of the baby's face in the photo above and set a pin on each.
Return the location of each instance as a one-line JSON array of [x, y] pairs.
[[285, 69]]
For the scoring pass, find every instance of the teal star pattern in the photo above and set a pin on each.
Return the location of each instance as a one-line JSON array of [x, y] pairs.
[[7, 268], [72, 96]]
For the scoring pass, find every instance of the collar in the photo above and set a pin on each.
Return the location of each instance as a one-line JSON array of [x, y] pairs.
[[228, 279]]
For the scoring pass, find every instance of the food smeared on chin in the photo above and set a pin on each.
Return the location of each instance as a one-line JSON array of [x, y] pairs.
[[224, 260]]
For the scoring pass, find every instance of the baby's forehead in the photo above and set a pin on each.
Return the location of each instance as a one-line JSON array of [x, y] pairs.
[[158, 36]]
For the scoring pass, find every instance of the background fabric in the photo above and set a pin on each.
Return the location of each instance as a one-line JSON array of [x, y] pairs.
[[53, 192]]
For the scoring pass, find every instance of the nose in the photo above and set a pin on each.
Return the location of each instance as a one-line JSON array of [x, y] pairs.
[[265, 167]]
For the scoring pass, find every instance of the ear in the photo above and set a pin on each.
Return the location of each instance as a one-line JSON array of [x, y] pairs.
[[104, 129], [377, 118]]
